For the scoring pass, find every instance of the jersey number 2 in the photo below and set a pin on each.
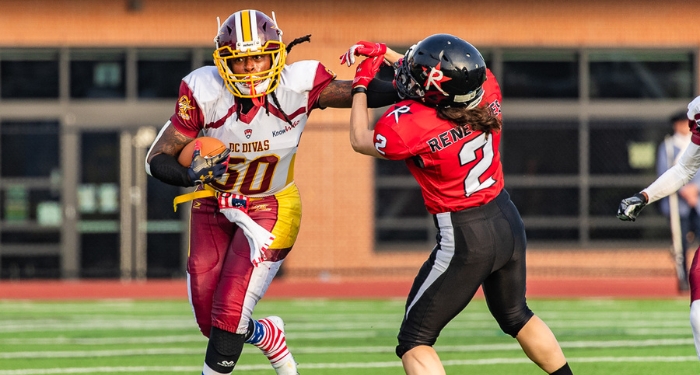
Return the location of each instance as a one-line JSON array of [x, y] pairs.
[[468, 154]]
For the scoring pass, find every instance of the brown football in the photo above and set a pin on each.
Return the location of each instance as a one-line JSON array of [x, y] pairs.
[[210, 146]]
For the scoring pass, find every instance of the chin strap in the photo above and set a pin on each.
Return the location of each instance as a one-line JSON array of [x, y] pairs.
[[258, 101]]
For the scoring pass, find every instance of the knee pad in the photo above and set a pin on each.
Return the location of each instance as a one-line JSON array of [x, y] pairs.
[[401, 349], [512, 323], [223, 350], [409, 338]]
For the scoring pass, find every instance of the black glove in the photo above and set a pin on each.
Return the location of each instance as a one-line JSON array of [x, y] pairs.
[[204, 170], [630, 207]]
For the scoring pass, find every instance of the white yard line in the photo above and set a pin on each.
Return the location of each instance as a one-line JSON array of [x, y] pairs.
[[351, 349], [175, 324], [335, 365]]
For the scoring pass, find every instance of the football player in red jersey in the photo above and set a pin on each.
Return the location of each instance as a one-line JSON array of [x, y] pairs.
[[668, 183], [447, 130], [246, 212]]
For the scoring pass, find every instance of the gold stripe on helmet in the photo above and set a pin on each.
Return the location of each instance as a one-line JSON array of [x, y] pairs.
[[246, 25]]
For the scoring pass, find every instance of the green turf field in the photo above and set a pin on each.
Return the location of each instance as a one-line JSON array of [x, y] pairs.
[[599, 337]]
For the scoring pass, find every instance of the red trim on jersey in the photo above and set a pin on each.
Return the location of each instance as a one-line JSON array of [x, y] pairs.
[[278, 113], [245, 118], [322, 79], [220, 122], [188, 117]]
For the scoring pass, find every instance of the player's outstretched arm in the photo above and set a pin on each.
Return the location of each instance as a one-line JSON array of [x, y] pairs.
[[674, 178], [361, 136], [338, 94], [392, 56]]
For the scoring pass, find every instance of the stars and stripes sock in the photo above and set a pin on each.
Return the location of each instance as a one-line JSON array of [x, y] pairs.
[[268, 335]]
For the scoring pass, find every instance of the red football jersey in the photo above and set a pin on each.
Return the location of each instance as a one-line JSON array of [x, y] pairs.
[[456, 167]]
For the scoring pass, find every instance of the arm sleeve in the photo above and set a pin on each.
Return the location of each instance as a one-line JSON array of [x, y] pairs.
[[167, 169], [381, 93], [674, 178]]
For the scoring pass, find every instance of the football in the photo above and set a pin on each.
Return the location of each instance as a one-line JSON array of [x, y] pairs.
[[210, 146]]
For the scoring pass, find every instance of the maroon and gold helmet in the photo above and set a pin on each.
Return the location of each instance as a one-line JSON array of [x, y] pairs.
[[250, 33]]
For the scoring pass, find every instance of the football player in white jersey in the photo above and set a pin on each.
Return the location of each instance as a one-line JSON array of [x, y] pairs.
[[669, 182], [246, 209]]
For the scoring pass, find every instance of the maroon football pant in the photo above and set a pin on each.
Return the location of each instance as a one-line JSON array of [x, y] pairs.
[[694, 277], [223, 284]]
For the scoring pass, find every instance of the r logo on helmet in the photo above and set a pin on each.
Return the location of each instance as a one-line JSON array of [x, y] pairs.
[[436, 78]]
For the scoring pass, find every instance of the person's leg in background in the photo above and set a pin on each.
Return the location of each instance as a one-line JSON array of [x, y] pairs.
[[688, 224]]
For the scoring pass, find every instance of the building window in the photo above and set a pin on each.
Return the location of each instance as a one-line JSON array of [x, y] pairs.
[[399, 208], [540, 74], [641, 74], [17, 159], [29, 74], [527, 147], [160, 72], [97, 74], [30, 195]]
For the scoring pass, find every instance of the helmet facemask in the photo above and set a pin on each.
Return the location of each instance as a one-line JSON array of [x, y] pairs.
[[250, 33], [407, 86]]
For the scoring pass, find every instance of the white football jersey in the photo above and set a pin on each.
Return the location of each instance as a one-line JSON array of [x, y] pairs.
[[263, 143]]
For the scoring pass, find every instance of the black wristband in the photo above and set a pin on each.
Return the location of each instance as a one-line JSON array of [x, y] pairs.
[[359, 89], [642, 197]]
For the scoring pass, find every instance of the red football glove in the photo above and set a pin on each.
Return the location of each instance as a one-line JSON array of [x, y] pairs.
[[366, 71], [362, 48]]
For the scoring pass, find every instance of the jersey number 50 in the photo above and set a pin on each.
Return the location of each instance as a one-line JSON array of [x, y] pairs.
[[254, 178]]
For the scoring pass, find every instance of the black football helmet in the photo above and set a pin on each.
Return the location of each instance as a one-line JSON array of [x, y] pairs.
[[442, 70]]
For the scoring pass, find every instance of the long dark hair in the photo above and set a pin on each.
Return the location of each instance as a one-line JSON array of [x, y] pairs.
[[478, 119]]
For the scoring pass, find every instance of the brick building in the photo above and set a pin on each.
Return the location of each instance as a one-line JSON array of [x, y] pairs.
[[587, 86]]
